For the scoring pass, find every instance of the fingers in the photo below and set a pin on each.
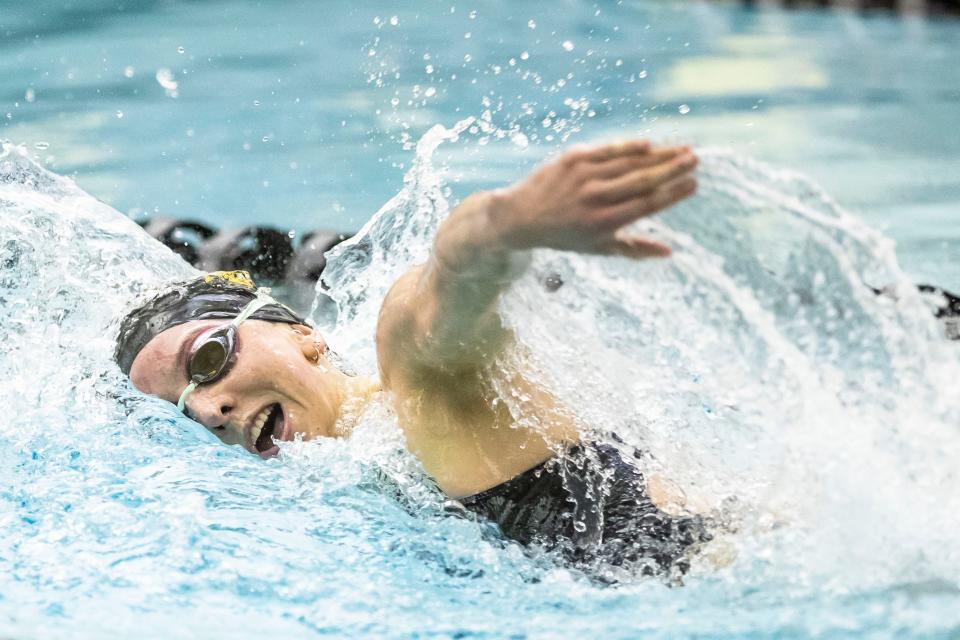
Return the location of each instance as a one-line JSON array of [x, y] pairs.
[[621, 165], [615, 150], [666, 195], [643, 180], [634, 247]]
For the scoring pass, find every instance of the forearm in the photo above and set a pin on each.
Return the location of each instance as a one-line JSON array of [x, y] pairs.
[[468, 269]]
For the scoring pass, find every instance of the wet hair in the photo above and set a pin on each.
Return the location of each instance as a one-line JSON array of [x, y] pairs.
[[218, 295]]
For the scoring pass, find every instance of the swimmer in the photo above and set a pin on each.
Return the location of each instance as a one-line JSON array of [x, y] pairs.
[[252, 371]]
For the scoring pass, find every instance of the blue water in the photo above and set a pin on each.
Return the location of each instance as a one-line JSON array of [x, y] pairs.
[[755, 366]]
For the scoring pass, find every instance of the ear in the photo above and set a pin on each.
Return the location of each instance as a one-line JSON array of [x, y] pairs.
[[309, 341]]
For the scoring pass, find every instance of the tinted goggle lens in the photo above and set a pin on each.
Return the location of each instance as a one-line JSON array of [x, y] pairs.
[[211, 358]]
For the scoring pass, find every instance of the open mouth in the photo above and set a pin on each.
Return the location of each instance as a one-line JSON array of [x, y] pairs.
[[269, 424]]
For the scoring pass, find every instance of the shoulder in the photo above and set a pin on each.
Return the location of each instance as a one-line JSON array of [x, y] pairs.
[[397, 327]]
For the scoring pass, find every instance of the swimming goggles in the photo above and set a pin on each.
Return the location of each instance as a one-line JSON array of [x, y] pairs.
[[216, 354]]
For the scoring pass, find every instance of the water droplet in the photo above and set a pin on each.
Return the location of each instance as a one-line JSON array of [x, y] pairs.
[[567, 45], [430, 92], [29, 95], [128, 71], [165, 79], [532, 24], [394, 20], [119, 114], [42, 146], [684, 109]]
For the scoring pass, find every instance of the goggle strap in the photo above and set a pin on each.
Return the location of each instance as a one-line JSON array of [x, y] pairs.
[[182, 402], [255, 305]]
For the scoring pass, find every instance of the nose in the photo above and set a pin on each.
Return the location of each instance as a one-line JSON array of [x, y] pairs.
[[213, 409]]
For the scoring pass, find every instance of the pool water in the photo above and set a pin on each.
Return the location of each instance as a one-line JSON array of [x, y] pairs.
[[758, 368]]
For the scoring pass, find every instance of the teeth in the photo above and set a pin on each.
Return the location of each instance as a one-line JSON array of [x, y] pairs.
[[259, 422]]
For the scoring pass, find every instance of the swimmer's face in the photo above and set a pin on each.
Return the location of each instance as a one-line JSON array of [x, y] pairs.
[[280, 380]]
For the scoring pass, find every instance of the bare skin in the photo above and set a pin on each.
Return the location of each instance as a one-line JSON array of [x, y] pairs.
[[439, 330]]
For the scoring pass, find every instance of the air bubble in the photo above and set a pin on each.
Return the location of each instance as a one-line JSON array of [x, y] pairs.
[[41, 146], [128, 71], [180, 49], [684, 109], [29, 95], [430, 92], [567, 45], [532, 24], [119, 114], [394, 20]]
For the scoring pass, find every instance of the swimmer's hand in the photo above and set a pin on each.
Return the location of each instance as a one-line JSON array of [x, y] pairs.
[[583, 200]]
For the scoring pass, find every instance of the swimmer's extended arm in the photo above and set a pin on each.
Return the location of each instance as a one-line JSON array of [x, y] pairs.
[[439, 328], [580, 202]]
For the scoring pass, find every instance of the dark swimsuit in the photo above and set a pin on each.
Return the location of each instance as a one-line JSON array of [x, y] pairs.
[[591, 505]]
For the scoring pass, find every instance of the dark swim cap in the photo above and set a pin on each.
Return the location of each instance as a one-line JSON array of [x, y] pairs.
[[218, 295]]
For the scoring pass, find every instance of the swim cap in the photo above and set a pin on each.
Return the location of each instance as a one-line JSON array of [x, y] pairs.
[[218, 295]]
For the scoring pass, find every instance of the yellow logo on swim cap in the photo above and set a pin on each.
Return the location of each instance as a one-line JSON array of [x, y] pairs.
[[239, 278]]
